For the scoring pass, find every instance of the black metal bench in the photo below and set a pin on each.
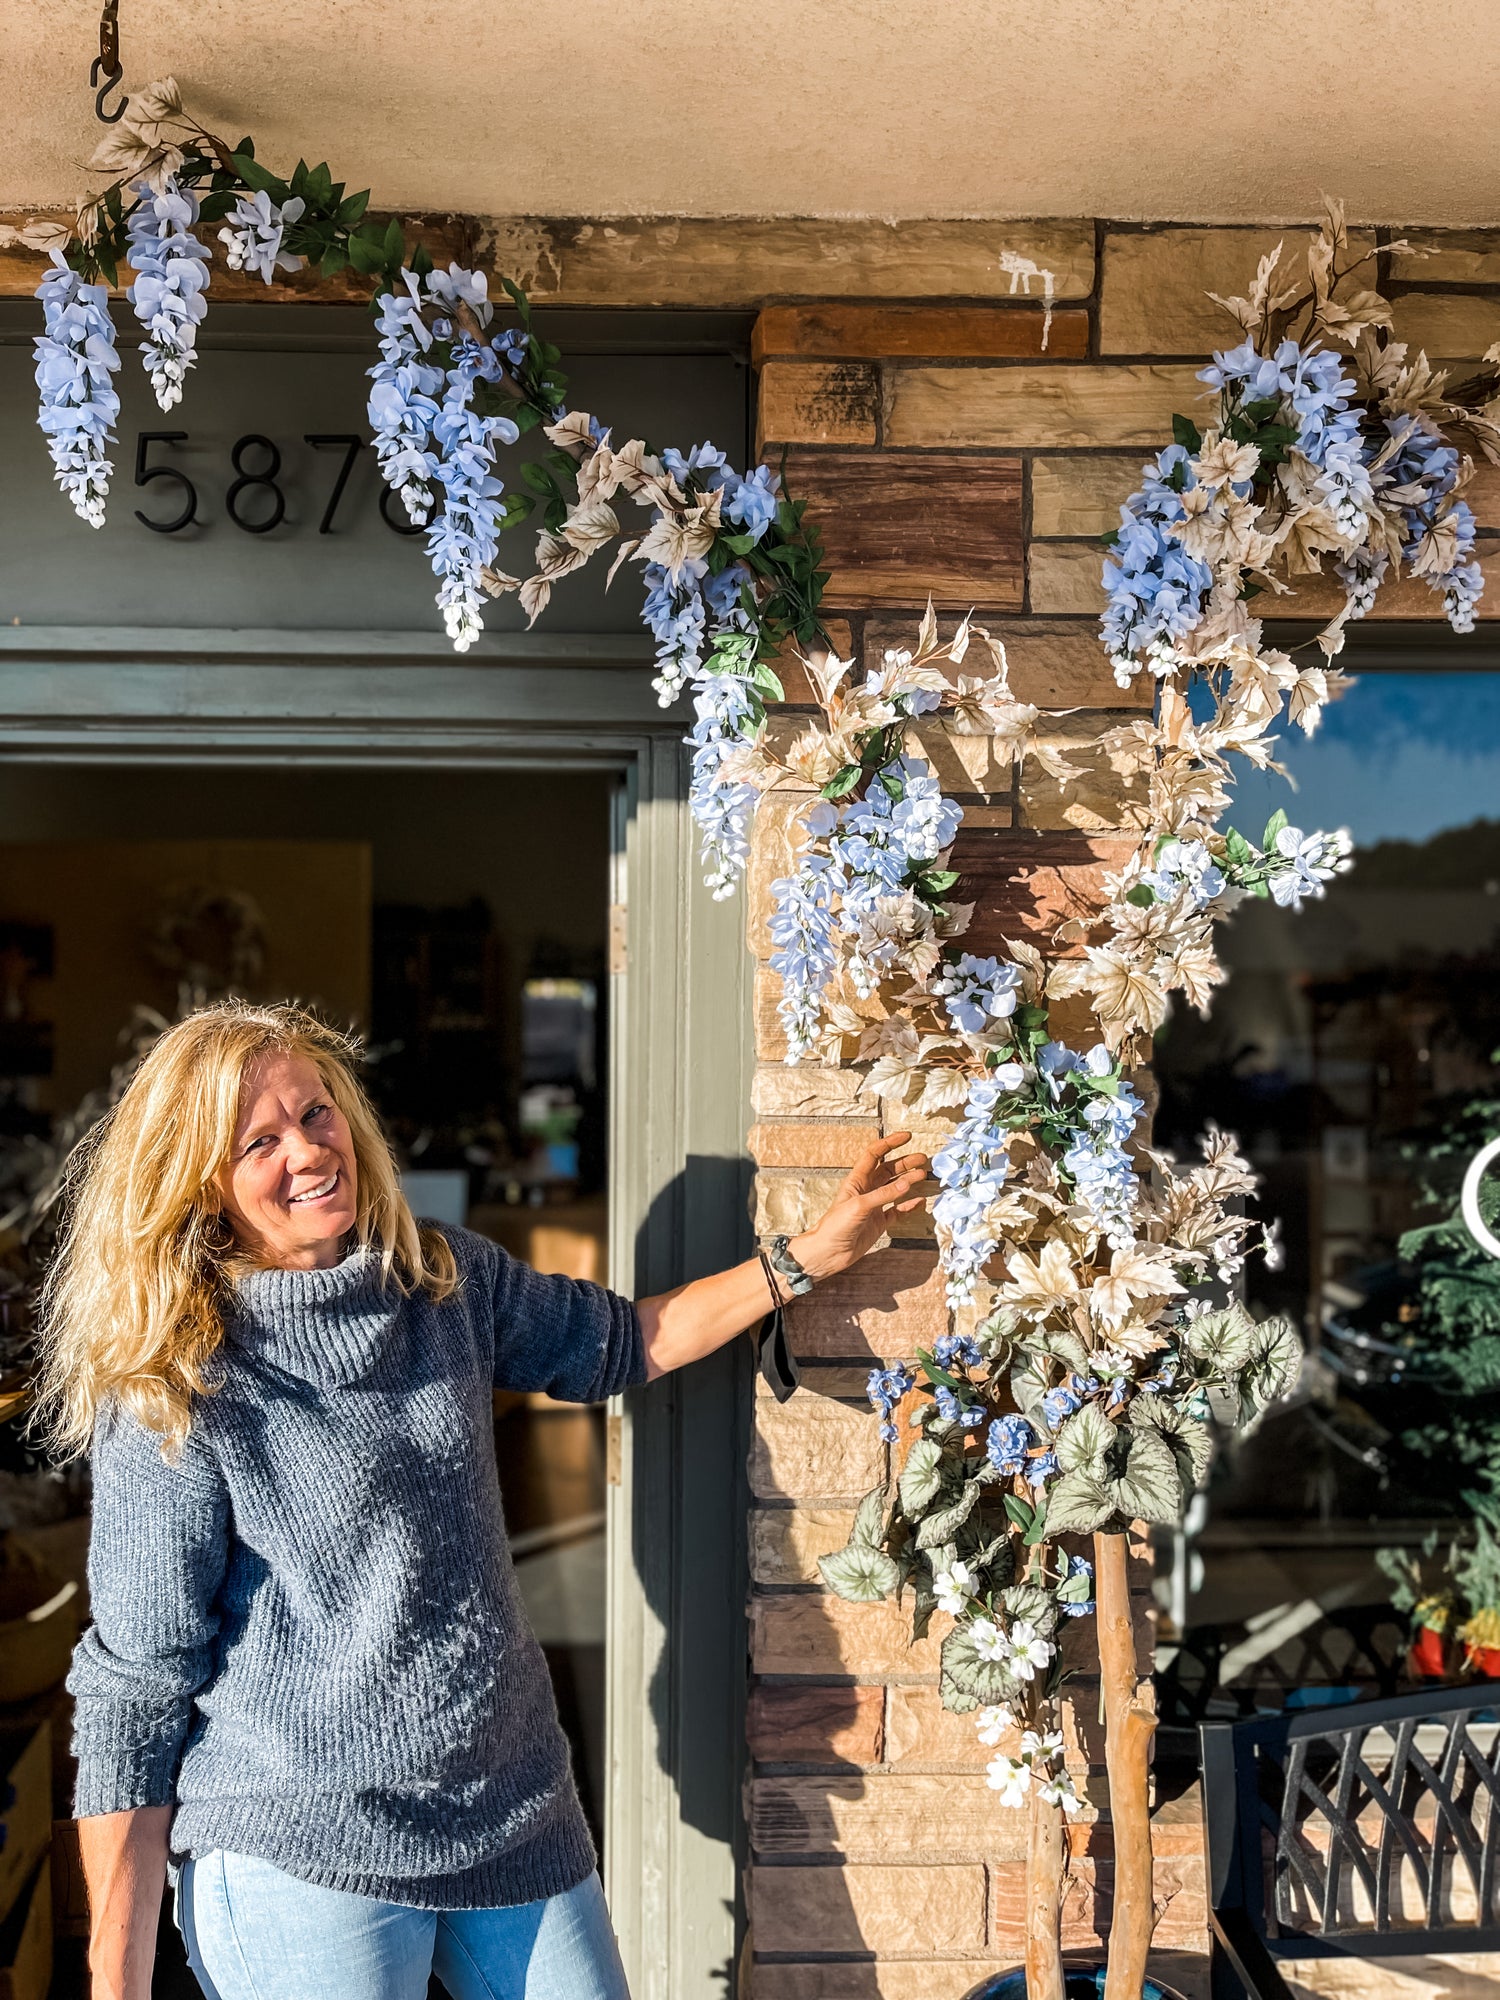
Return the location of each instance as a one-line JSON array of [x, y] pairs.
[[1367, 1830]]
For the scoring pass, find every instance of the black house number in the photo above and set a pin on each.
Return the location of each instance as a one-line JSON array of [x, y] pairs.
[[254, 500]]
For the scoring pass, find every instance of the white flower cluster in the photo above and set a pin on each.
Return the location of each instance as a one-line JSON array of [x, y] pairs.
[[1039, 1762]]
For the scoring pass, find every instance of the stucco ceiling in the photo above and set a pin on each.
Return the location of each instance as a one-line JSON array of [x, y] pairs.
[[1193, 109]]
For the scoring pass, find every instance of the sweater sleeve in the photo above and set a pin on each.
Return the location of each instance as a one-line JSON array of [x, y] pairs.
[[158, 1548], [566, 1336]]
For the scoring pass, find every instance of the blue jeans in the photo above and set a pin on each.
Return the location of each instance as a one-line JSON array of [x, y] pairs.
[[253, 1932]]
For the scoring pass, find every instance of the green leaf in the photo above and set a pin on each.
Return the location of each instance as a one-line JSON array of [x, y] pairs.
[[365, 256], [967, 1682], [1225, 1339], [937, 881], [1078, 1504], [1024, 1600], [868, 1531], [351, 210], [766, 681], [842, 782], [921, 1477], [1020, 1511], [1274, 1364], [1189, 1440], [333, 260], [944, 1525], [1186, 432], [1142, 895], [860, 1574], [1273, 826], [255, 177], [1236, 848], [1085, 1441], [1150, 1488]]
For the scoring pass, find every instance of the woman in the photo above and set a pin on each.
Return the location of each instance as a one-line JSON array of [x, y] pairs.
[[309, 1695]]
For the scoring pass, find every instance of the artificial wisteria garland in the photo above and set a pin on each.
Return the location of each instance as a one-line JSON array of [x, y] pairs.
[[1092, 1347], [730, 567]]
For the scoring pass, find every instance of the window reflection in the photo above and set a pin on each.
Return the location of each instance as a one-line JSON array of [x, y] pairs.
[[1345, 1042]]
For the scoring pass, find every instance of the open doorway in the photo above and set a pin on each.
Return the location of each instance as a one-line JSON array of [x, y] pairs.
[[459, 919]]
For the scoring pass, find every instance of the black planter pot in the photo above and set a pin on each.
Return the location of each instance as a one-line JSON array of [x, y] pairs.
[[1080, 1982]]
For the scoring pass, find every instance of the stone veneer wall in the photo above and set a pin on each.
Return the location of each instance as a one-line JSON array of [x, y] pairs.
[[945, 447]]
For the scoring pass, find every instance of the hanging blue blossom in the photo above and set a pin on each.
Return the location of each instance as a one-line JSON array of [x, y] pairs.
[[172, 270], [76, 362], [254, 231]]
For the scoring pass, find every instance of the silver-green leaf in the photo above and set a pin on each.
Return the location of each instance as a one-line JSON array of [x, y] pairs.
[[1078, 1504], [863, 1575], [1084, 1441], [944, 1525], [921, 1476]]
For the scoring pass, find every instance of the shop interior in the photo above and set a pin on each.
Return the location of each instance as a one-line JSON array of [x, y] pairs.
[[1354, 1050], [459, 921]]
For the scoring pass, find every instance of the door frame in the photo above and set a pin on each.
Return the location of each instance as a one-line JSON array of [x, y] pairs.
[[680, 1056]]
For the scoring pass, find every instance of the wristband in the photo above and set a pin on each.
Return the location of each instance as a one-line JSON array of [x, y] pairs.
[[778, 1250]]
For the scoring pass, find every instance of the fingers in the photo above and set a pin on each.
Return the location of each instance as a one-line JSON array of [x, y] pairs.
[[914, 1170], [866, 1170]]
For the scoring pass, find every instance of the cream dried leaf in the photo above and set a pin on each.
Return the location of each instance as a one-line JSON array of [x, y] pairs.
[[590, 525]]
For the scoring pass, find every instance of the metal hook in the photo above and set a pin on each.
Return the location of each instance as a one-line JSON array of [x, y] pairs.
[[107, 65], [109, 83]]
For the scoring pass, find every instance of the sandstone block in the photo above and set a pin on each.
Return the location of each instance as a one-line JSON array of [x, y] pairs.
[[923, 1819], [1096, 800], [1180, 1894], [898, 530], [813, 1448], [739, 262], [1448, 325], [774, 845], [1016, 408], [829, 331], [884, 1309], [1025, 884], [826, 1636], [1051, 665], [827, 1143], [792, 1199], [770, 1036], [793, 675], [922, 1735], [874, 1909], [816, 1725], [777, 1091], [1457, 257], [1067, 577], [1081, 495], [1154, 284], [785, 1543], [818, 402]]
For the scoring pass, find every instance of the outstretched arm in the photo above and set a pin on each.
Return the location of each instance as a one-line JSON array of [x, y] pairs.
[[685, 1324]]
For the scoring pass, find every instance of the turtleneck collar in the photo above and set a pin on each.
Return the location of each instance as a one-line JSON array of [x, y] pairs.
[[326, 1326]]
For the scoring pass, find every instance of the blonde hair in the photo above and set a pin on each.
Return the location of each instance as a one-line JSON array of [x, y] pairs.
[[133, 1304]]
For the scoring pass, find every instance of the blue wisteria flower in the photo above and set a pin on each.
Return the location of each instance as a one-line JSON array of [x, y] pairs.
[[885, 1389], [76, 361], [172, 270], [978, 992], [1156, 589], [1007, 1442], [1313, 859], [722, 807], [801, 928], [753, 502], [464, 539], [1185, 866], [404, 399], [957, 1350], [254, 231], [950, 1410]]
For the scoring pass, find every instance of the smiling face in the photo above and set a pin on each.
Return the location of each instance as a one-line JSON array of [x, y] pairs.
[[289, 1184]]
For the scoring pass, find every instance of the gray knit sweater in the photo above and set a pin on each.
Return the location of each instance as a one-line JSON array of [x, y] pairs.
[[307, 1634]]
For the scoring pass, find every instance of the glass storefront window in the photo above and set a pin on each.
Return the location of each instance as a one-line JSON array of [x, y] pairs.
[[1345, 1041]]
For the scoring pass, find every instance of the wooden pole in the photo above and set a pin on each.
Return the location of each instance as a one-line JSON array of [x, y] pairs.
[[1129, 1725], [1044, 1884]]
